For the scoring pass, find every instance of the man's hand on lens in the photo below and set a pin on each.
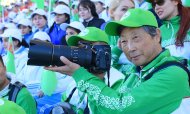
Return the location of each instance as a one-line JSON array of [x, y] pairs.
[[68, 68]]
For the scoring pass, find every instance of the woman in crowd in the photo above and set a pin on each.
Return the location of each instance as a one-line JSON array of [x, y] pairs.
[[87, 12], [175, 30], [39, 20], [73, 28], [62, 15], [25, 25], [101, 9], [20, 50]]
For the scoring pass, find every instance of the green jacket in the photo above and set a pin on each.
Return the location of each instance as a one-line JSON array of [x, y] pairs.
[[169, 31], [161, 94], [26, 101], [23, 99]]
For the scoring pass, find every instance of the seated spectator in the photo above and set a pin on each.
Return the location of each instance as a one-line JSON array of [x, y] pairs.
[[40, 21], [62, 15], [25, 25], [154, 78], [87, 12], [15, 92], [73, 28], [20, 51]]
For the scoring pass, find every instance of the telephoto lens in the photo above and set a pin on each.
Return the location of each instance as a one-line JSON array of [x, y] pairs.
[[45, 54]]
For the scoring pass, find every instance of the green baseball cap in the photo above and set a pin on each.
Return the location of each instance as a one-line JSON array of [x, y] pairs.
[[132, 18], [9, 107], [89, 34]]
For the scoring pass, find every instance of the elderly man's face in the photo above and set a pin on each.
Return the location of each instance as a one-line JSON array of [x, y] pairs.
[[139, 47]]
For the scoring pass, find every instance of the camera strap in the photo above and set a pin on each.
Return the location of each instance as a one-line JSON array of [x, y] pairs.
[[14, 90], [108, 75]]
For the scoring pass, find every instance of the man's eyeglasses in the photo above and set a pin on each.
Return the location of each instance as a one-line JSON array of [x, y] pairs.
[[158, 2]]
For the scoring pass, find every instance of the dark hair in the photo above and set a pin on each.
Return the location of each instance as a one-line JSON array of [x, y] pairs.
[[1, 59], [90, 6], [23, 43], [184, 13], [150, 30], [19, 43], [68, 18], [77, 30], [41, 15]]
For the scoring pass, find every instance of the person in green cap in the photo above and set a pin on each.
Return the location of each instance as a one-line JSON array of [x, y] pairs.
[[9, 107], [158, 85], [78, 99], [22, 98], [175, 31]]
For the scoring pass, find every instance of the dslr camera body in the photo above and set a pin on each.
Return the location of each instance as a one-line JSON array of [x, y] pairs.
[[95, 58]]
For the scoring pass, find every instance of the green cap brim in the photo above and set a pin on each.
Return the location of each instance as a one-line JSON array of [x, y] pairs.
[[73, 40]]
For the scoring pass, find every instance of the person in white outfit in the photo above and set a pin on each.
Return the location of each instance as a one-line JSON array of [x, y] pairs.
[[20, 51]]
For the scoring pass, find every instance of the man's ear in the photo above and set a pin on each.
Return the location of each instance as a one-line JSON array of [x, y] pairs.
[[158, 35]]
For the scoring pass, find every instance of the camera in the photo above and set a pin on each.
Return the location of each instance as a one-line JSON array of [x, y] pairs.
[[95, 58]]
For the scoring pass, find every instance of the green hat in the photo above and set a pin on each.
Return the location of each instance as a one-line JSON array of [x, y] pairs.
[[89, 34], [9, 107], [132, 18]]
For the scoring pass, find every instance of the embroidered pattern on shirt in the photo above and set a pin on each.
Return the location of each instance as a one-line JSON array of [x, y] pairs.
[[106, 101]]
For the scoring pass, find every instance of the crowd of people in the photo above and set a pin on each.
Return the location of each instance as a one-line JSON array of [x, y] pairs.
[[149, 58]]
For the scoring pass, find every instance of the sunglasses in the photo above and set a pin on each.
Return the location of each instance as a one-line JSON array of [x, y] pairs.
[[158, 2]]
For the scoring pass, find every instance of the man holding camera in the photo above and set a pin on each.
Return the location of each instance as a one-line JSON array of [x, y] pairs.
[[153, 87]]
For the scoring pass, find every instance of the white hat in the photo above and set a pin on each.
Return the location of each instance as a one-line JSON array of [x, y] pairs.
[[41, 36], [25, 22], [74, 24], [39, 12], [65, 1], [19, 17], [61, 9], [12, 33], [10, 25], [102, 1]]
